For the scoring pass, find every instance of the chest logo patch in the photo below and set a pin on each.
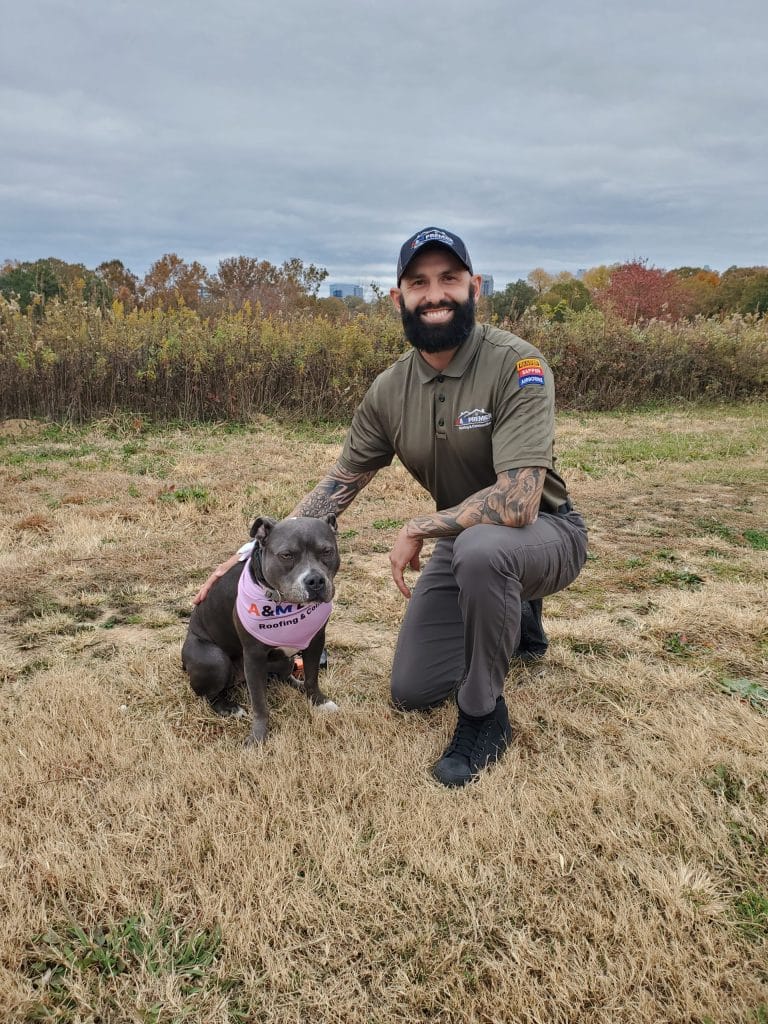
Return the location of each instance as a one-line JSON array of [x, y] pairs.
[[529, 371], [475, 418]]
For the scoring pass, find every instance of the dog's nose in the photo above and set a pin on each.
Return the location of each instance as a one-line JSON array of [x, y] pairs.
[[315, 584]]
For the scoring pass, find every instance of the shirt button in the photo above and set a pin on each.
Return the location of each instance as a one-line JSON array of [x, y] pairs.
[[439, 379], [441, 423], [441, 398]]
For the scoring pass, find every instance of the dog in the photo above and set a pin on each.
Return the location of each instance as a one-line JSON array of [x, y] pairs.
[[261, 613]]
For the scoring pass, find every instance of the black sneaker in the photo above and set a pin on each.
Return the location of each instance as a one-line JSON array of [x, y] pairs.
[[533, 640], [476, 743]]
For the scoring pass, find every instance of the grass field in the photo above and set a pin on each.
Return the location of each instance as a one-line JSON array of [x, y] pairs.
[[612, 868]]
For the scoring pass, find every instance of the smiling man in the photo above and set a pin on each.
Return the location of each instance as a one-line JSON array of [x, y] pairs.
[[469, 411]]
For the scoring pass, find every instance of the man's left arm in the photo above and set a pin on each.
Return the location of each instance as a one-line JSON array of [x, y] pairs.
[[512, 501]]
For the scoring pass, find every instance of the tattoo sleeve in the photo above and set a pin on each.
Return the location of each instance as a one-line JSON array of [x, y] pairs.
[[512, 501], [333, 493]]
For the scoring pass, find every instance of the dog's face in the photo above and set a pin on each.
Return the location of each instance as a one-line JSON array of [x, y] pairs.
[[299, 557]]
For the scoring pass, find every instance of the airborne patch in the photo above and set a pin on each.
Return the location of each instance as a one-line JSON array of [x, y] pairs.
[[529, 371]]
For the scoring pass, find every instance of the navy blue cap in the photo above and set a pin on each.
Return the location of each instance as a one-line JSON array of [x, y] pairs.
[[432, 236]]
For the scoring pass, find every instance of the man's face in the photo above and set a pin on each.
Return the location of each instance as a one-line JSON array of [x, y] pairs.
[[436, 299]]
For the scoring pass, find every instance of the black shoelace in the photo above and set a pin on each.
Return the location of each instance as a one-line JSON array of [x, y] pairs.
[[466, 736]]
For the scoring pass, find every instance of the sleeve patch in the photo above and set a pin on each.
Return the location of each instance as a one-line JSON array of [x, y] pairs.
[[529, 371]]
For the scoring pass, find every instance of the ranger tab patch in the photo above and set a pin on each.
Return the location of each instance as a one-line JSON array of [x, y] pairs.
[[529, 371]]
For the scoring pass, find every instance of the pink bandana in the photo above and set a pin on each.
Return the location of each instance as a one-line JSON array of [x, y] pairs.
[[291, 626]]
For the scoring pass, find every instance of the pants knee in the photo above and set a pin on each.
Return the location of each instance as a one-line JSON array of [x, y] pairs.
[[403, 697], [476, 554], [406, 698]]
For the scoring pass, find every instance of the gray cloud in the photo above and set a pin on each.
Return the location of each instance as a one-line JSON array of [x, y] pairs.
[[561, 135]]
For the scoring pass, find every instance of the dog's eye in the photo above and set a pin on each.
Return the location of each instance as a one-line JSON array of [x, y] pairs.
[[286, 556]]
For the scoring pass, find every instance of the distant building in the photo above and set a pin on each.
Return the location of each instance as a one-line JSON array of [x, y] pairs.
[[486, 284], [341, 291]]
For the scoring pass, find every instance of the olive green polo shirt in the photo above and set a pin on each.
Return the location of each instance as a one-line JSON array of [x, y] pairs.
[[491, 409]]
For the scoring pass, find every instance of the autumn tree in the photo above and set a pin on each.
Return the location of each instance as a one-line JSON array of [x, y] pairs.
[[171, 282], [596, 279], [241, 279], [639, 292], [698, 289], [123, 283], [539, 279]]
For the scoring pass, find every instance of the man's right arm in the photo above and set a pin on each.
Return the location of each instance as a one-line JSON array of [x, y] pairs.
[[338, 489], [335, 492]]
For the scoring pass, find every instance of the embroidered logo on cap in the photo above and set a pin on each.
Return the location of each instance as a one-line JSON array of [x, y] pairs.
[[476, 418], [529, 371], [431, 236]]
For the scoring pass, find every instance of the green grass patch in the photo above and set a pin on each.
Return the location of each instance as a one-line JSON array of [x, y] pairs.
[[323, 432], [757, 539], [596, 647], [752, 914], [709, 525], [679, 645], [183, 495], [680, 578], [387, 524], [598, 456], [71, 965], [723, 782], [748, 690], [36, 455]]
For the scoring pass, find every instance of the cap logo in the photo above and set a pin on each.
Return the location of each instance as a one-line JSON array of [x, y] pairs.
[[431, 236]]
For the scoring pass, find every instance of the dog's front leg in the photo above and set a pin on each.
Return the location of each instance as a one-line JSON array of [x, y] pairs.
[[315, 696], [255, 668]]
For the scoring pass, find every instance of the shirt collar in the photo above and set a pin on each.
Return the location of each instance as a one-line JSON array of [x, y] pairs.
[[457, 365]]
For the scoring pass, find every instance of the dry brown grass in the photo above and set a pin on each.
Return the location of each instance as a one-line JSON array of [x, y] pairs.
[[613, 868]]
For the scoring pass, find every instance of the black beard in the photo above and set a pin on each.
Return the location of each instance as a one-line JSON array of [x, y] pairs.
[[439, 337]]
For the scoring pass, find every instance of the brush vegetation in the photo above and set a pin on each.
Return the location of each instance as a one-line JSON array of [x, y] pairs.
[[612, 868], [79, 362]]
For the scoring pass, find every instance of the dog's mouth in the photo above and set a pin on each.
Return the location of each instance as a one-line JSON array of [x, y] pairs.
[[310, 595]]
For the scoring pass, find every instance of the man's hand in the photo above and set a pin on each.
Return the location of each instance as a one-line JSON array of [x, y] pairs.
[[405, 553], [217, 573]]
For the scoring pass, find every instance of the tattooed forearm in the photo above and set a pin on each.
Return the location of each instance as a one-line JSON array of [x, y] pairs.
[[333, 493], [512, 501]]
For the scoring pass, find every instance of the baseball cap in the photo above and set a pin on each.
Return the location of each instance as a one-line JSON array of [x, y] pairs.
[[432, 236]]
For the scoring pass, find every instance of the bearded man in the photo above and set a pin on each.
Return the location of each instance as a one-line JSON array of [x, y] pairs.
[[469, 411]]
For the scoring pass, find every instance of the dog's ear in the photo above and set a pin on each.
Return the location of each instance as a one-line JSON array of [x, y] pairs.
[[260, 528], [330, 518]]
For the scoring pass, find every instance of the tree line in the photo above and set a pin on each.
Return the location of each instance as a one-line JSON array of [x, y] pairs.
[[170, 283], [635, 291]]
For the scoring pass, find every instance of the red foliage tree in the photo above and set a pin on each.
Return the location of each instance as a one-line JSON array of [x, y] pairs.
[[639, 292]]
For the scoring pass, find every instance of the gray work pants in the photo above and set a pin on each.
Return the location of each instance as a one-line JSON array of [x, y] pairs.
[[462, 625]]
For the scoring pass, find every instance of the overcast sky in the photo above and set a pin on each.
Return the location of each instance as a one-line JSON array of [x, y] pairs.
[[552, 134]]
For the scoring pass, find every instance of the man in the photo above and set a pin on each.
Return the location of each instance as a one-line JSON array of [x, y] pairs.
[[469, 411]]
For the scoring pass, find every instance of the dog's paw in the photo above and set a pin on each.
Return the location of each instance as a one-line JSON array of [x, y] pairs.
[[256, 736], [328, 706], [226, 708]]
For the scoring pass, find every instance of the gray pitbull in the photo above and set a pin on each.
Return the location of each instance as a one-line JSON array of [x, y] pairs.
[[262, 612]]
